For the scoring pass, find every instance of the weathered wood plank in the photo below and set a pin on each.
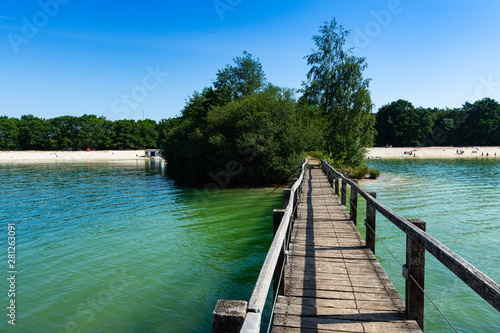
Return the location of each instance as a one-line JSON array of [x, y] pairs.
[[345, 324], [376, 305], [483, 285], [334, 282]]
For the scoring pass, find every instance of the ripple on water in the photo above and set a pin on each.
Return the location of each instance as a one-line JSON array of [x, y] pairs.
[[459, 202], [119, 248]]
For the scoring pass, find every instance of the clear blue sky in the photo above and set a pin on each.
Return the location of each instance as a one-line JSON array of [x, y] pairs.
[[84, 56]]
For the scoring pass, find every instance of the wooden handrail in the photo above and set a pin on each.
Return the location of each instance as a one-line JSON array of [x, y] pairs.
[[483, 285], [261, 289]]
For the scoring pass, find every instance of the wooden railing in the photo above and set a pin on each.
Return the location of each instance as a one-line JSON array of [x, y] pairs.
[[240, 316], [418, 241]]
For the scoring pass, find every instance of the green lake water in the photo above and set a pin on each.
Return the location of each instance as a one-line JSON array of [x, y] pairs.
[[119, 247], [459, 200]]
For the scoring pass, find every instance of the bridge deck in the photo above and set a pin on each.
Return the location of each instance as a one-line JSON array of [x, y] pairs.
[[334, 283]]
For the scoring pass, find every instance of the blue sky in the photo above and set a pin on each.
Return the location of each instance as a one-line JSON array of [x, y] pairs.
[[116, 59]]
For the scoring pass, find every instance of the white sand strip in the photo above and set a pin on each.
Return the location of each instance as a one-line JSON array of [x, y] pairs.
[[100, 155], [434, 152]]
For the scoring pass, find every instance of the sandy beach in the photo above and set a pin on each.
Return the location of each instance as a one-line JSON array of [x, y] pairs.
[[101, 155], [123, 155], [434, 152]]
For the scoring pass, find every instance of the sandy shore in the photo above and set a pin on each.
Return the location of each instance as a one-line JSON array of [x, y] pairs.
[[434, 152], [122, 155], [101, 155]]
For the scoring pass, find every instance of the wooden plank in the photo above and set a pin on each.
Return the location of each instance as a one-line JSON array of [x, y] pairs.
[[375, 305], [483, 285], [367, 323], [354, 314], [334, 282]]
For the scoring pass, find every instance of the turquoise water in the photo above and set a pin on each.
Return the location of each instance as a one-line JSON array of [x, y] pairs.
[[117, 247], [459, 200]]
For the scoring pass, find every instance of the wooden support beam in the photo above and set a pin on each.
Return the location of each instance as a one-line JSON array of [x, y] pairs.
[[337, 184], [286, 197], [278, 271], [344, 193], [228, 316], [415, 262], [354, 204], [371, 214]]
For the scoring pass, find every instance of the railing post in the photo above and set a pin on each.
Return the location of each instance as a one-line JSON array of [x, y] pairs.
[[371, 213], [415, 277], [277, 217], [344, 192], [295, 202], [286, 197], [228, 316], [354, 204], [336, 184]]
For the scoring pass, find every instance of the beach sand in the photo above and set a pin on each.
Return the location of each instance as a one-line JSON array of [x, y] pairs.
[[100, 155], [434, 152], [123, 155]]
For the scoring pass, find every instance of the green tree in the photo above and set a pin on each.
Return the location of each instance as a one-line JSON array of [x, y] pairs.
[[9, 133], [482, 126], [447, 127], [241, 80], [126, 134], [335, 83], [33, 133], [402, 125], [93, 132], [260, 136], [149, 133], [232, 83], [240, 131]]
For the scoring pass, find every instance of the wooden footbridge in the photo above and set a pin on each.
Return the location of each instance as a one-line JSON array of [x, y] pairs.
[[325, 276]]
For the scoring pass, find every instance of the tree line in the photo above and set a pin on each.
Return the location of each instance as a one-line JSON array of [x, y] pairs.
[[243, 129], [77, 133], [400, 124]]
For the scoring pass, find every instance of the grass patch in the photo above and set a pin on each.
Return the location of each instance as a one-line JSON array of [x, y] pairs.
[[316, 154], [361, 172]]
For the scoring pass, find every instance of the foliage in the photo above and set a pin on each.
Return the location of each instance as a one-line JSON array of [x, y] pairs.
[[336, 85], [401, 125], [241, 130], [73, 133], [356, 172], [318, 154], [241, 80], [253, 141], [482, 126], [9, 133]]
